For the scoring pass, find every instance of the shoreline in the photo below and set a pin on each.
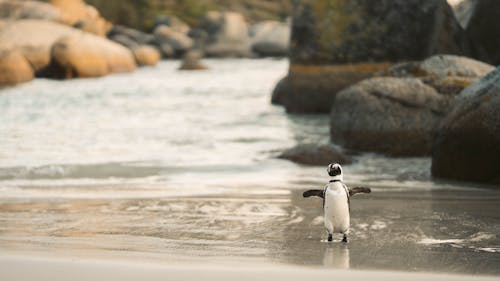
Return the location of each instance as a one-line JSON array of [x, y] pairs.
[[14, 267]]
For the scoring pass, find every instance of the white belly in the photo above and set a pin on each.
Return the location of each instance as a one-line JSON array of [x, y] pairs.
[[336, 209]]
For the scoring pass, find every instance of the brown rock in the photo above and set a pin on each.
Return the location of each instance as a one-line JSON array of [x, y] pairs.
[[14, 68], [146, 55], [15, 10], [34, 38], [192, 61], [86, 17], [312, 88], [87, 55]]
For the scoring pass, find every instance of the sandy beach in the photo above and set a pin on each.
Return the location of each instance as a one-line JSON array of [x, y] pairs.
[[45, 269], [101, 178]]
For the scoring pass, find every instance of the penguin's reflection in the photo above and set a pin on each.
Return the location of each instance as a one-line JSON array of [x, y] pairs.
[[337, 256]]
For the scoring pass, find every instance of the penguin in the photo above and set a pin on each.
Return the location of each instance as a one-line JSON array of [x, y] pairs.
[[336, 202]]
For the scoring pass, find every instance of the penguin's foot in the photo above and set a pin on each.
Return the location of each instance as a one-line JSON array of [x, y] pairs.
[[344, 239], [330, 238]]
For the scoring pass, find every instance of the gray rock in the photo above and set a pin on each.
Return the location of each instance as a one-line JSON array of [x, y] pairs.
[[124, 40], [467, 144], [449, 65], [448, 74], [173, 22], [139, 37], [315, 154], [393, 116], [270, 38], [179, 42], [463, 11], [227, 35]]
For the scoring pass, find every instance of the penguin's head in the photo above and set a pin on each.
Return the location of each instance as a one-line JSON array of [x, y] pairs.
[[335, 170]]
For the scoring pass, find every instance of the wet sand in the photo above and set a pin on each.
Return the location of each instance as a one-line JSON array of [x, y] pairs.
[[441, 231], [27, 268]]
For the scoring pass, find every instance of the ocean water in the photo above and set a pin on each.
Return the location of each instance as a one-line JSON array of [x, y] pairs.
[[181, 167]]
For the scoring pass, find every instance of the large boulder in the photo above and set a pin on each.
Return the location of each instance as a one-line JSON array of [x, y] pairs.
[[270, 38], [16, 9], [315, 154], [179, 42], [398, 113], [345, 41], [34, 38], [467, 144], [14, 68], [146, 55], [78, 13], [227, 35], [394, 116], [483, 27], [88, 55]]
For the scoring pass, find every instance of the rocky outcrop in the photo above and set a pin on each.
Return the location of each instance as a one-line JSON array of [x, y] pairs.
[[398, 115], [77, 13], [34, 38], [393, 116], [177, 41], [226, 35], [192, 61], [14, 68], [88, 55], [146, 55], [483, 28], [345, 41], [315, 154], [270, 38], [15, 10], [467, 144]]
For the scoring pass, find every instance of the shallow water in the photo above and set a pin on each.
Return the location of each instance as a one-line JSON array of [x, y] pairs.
[[180, 167]]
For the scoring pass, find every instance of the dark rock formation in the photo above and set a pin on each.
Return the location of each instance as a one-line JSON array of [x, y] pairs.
[[315, 154], [398, 115], [467, 143], [483, 27], [345, 41]]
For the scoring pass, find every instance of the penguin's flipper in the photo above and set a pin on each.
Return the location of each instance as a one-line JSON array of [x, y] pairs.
[[356, 190], [314, 192]]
